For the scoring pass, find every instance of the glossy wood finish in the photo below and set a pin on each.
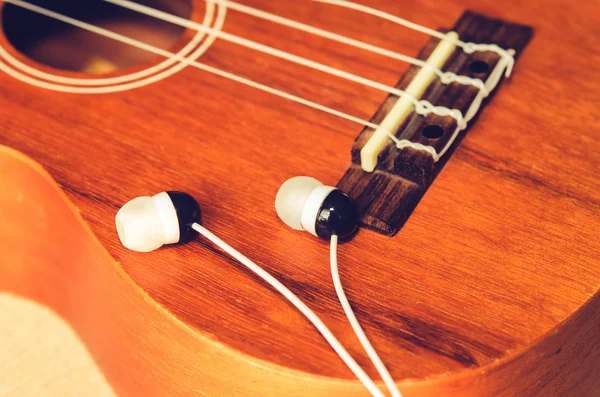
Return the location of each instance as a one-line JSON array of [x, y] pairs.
[[496, 269], [145, 350]]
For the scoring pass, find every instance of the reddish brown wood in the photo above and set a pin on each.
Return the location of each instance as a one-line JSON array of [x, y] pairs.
[[495, 270]]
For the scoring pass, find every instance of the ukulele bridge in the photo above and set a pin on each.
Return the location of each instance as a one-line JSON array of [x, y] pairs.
[[388, 183]]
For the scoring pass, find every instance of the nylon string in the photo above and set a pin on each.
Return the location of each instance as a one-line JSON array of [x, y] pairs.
[[426, 106], [422, 107], [445, 77]]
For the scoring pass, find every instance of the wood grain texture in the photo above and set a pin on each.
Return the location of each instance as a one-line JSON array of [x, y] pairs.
[[145, 350], [494, 272]]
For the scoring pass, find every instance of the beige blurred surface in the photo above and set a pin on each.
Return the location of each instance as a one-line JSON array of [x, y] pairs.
[[40, 355]]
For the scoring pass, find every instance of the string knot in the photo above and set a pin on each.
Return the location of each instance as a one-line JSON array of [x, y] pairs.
[[405, 143], [470, 48], [424, 107], [507, 56], [448, 77], [451, 77]]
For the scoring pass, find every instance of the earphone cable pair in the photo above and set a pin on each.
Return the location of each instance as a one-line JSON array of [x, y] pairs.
[[146, 223], [314, 319]]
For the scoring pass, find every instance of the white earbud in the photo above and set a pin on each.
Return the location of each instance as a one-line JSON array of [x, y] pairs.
[[147, 223], [304, 203]]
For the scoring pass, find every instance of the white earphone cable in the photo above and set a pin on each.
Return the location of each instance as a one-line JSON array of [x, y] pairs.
[[360, 334], [299, 304]]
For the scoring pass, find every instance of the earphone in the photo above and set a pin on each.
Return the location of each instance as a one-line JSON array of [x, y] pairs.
[[303, 203], [146, 223]]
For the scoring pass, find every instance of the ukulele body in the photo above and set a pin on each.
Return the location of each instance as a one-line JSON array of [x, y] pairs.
[[490, 288]]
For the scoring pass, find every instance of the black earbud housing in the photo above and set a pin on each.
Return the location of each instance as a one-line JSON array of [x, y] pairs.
[[337, 215], [188, 212]]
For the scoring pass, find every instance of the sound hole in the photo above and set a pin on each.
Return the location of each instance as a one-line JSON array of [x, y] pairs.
[[62, 46], [479, 67], [433, 132]]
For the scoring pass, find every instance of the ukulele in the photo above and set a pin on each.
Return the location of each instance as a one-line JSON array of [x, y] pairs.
[[475, 270]]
